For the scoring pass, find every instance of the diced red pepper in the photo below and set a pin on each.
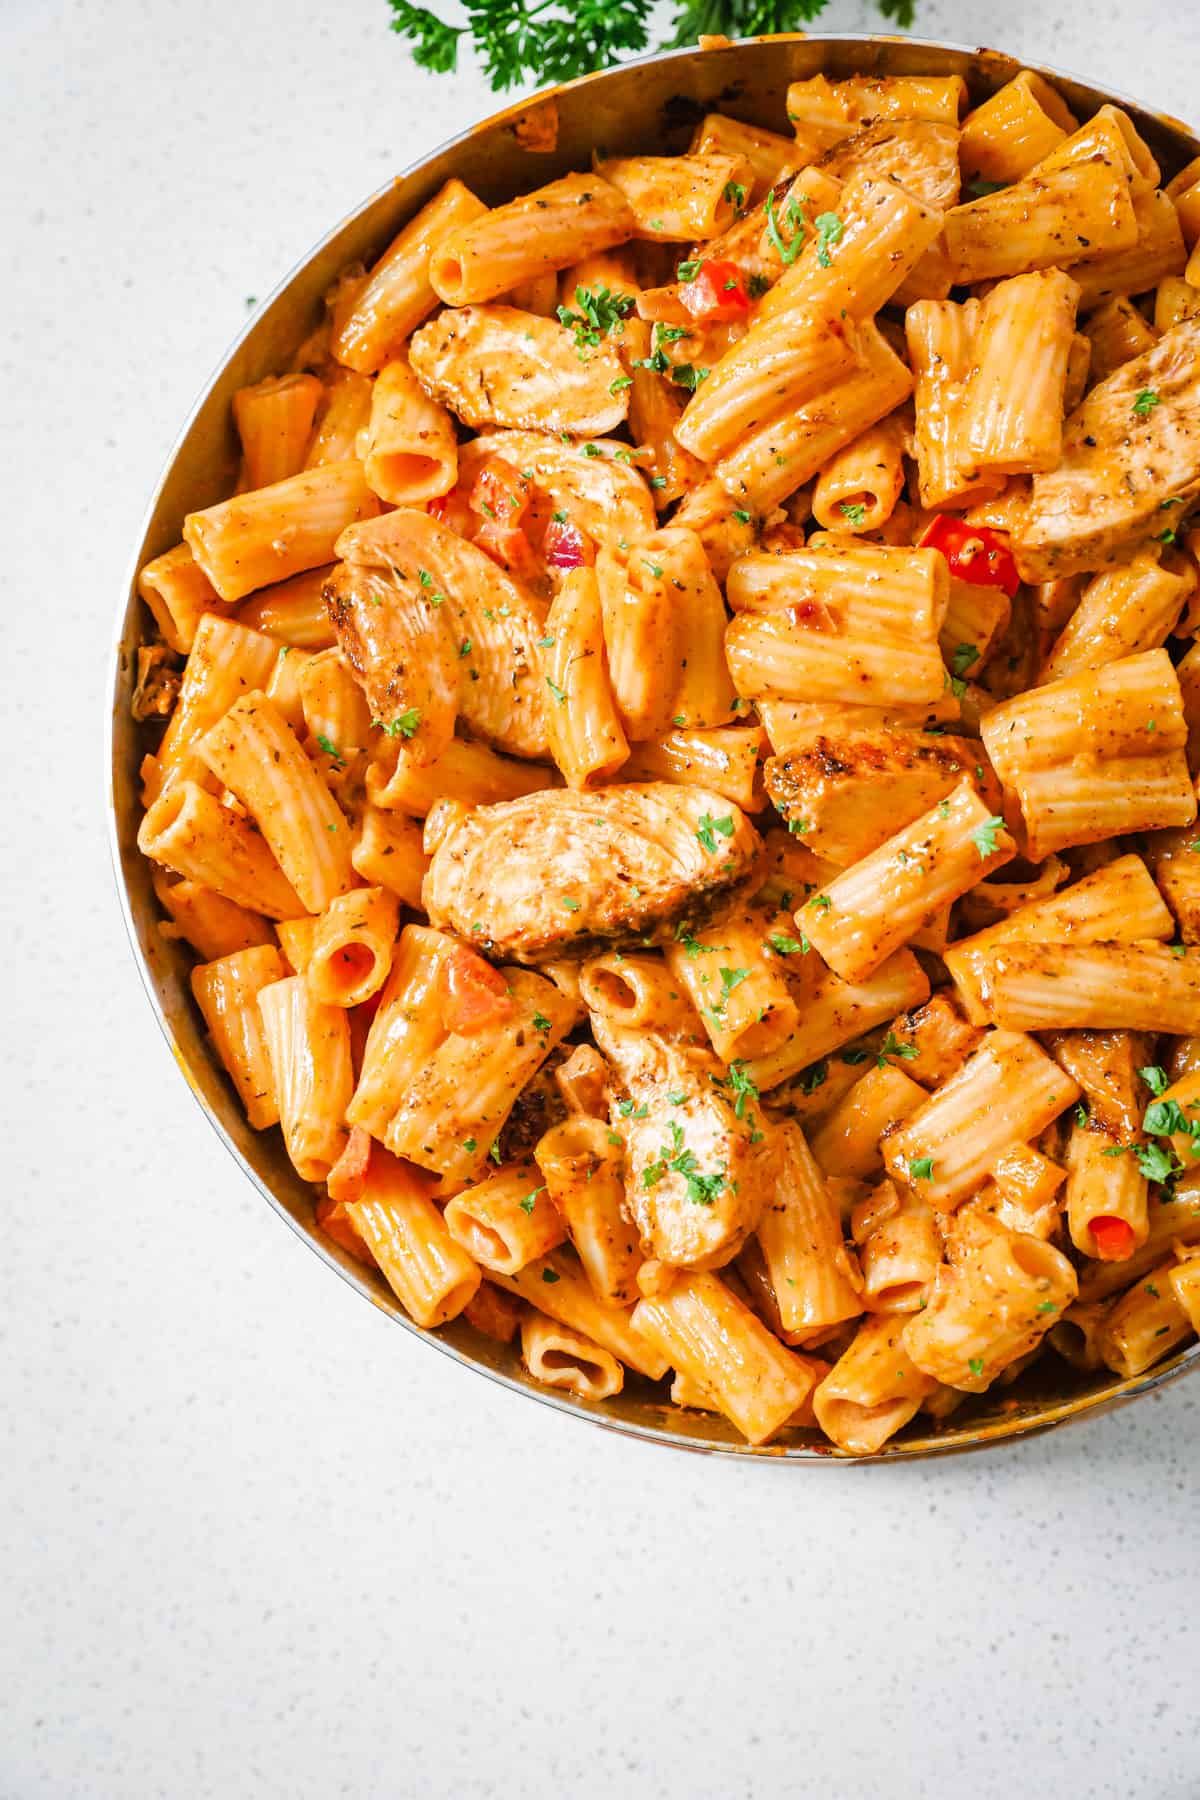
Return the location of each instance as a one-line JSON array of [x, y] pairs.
[[499, 494], [452, 511], [565, 546], [974, 553], [1113, 1238], [474, 995], [510, 548], [717, 291]]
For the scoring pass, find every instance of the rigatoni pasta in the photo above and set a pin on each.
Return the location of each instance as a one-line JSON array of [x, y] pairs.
[[650, 615]]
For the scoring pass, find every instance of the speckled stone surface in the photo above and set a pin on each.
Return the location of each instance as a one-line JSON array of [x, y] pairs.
[[256, 1543]]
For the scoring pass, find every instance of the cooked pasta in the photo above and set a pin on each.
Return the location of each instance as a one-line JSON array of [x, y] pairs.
[[679, 772]]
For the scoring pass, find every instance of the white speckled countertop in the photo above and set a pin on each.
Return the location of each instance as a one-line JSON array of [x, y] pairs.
[[257, 1543]]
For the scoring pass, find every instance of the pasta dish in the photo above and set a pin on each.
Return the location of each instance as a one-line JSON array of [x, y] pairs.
[[677, 760]]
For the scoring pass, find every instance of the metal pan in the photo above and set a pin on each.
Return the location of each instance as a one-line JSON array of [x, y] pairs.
[[649, 105]]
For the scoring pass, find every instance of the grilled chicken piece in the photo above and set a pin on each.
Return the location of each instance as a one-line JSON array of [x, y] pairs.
[[607, 499], [1133, 445], [918, 153], [399, 649], [696, 1175], [1106, 1064], [554, 872], [853, 792], [427, 621], [494, 365]]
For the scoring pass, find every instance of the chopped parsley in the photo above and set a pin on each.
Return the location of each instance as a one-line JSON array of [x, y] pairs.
[[1156, 1163], [620, 384], [783, 945], [540, 1022], [830, 230], [742, 1086], [734, 193], [572, 905], [984, 836], [964, 656], [330, 748], [1154, 1078], [405, 726], [600, 312], [975, 1364], [731, 979], [813, 1077], [526, 1205], [920, 1168], [1146, 402], [787, 249], [854, 510], [743, 518], [559, 693], [891, 1046], [708, 825]]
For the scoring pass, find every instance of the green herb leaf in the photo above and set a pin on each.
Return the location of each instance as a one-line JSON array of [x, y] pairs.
[[708, 825], [1154, 1078], [1156, 1163], [854, 510], [526, 1205], [891, 1046], [742, 1086], [600, 312], [984, 836], [330, 749], [405, 726], [830, 230], [920, 1168], [1146, 402]]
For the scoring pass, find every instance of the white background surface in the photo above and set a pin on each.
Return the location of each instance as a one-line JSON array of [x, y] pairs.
[[256, 1542]]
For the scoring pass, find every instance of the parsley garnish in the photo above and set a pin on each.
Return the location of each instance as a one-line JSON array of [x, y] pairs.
[[1154, 1078], [559, 693], [963, 657], [707, 827], [330, 749], [786, 250], [813, 1077], [984, 836], [620, 384], [854, 510], [526, 1205], [891, 1046], [730, 979], [406, 725], [920, 1167], [829, 231], [975, 1364], [782, 945], [734, 193], [743, 518], [1146, 402], [742, 1086], [1156, 1163], [599, 312], [540, 1022], [572, 905]]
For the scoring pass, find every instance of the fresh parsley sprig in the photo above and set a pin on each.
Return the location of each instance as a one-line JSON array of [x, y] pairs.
[[555, 40]]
